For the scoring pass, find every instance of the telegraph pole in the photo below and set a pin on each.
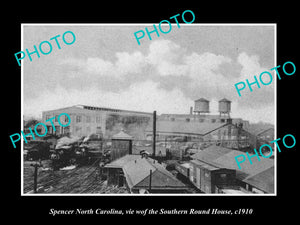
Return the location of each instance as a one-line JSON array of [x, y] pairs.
[[150, 181], [36, 166]]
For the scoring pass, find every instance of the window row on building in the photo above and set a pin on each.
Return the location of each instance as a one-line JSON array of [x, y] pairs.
[[88, 119], [201, 120], [63, 118], [76, 130], [58, 130], [77, 118]]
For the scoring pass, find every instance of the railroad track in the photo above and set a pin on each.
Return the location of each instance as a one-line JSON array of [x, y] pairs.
[[92, 187], [47, 179], [78, 182], [71, 181]]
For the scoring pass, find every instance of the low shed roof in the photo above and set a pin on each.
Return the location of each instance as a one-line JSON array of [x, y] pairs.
[[205, 165], [137, 172], [263, 180], [122, 136], [119, 163], [225, 158]]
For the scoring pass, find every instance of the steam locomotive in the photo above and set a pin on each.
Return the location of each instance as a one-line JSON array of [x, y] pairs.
[[78, 151]]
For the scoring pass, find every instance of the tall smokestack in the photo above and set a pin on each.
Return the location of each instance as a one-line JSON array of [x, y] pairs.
[[154, 133]]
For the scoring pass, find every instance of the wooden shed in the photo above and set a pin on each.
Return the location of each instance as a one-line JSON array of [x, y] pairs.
[[121, 145], [142, 174]]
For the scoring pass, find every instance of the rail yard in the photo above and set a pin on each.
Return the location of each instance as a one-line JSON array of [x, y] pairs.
[[80, 180], [139, 153]]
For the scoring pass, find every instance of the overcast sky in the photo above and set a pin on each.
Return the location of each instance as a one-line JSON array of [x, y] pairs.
[[106, 67]]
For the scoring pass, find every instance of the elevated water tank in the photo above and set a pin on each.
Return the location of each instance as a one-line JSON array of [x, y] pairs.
[[201, 106], [224, 106]]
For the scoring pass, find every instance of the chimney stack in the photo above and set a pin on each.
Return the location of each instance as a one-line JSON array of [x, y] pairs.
[[154, 134]]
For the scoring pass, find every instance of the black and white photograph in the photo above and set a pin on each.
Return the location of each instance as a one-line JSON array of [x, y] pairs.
[[113, 113], [149, 112]]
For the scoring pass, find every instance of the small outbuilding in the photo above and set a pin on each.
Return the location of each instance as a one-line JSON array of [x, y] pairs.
[[121, 145], [143, 175]]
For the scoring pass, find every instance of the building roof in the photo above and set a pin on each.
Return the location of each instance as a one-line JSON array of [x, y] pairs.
[[258, 129], [267, 130], [137, 172], [224, 100], [205, 165], [93, 108], [120, 162], [263, 180], [66, 109], [225, 158], [122, 136], [182, 127], [191, 116], [201, 100], [211, 153], [160, 180], [228, 161], [111, 109]]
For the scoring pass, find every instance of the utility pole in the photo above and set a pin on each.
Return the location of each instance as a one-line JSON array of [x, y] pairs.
[[36, 166], [154, 134], [150, 181]]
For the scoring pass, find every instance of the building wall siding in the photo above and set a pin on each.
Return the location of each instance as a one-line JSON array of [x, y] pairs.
[[210, 179], [83, 122], [94, 120]]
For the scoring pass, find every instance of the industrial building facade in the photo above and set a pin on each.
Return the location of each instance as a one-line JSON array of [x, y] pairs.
[[198, 125], [211, 169], [85, 120], [201, 115], [225, 134]]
